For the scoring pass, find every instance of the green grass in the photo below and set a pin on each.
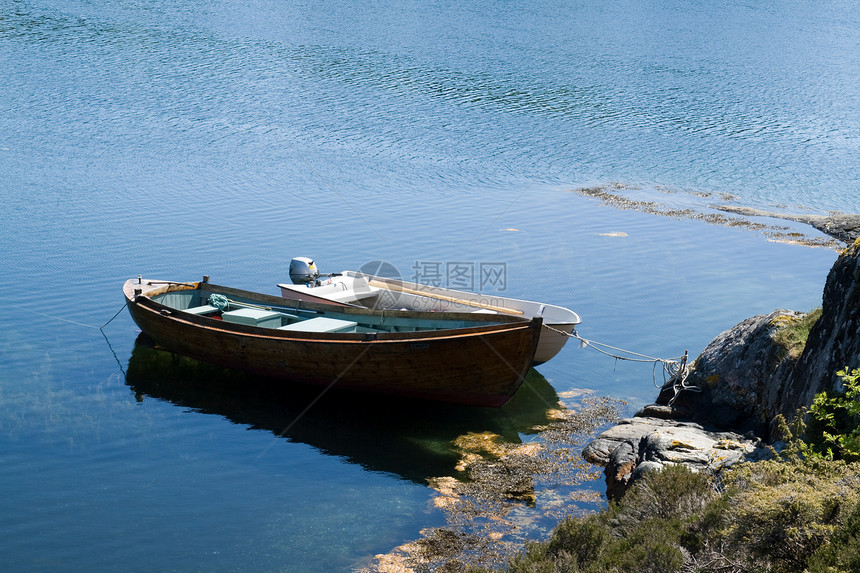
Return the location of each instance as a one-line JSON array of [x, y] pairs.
[[792, 333]]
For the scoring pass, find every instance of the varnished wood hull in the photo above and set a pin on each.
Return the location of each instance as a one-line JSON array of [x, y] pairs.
[[482, 365]]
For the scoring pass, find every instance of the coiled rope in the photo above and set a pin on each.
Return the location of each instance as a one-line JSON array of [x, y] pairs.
[[220, 302]]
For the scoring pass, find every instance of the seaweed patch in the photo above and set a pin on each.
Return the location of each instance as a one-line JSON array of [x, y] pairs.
[[689, 205], [511, 493]]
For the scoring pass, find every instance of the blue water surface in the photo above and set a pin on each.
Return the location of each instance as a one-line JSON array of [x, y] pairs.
[[187, 138]]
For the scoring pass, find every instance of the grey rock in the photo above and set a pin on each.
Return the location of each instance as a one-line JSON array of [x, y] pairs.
[[646, 467], [619, 470], [843, 227], [694, 447], [653, 443], [740, 382], [741, 376], [599, 450], [661, 411], [834, 341]]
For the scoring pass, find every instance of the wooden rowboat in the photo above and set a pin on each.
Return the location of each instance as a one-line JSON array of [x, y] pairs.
[[370, 291], [464, 358]]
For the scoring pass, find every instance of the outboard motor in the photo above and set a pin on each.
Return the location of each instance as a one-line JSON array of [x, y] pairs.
[[303, 271]]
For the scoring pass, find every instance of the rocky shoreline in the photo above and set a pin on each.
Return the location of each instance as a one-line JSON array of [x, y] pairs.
[[722, 409]]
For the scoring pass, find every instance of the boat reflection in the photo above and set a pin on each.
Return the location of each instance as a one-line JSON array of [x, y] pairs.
[[410, 438]]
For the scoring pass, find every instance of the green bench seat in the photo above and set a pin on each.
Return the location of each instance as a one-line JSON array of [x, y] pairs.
[[202, 310], [253, 317], [321, 324]]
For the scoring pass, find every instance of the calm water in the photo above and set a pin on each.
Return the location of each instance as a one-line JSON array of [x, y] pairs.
[[188, 138]]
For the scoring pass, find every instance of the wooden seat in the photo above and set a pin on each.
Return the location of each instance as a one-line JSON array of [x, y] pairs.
[[202, 310], [253, 317], [321, 324]]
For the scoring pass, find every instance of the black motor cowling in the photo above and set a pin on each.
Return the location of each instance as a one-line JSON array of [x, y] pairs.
[[303, 271]]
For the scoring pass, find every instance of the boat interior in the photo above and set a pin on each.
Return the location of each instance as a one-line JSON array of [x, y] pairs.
[[380, 292], [354, 288], [247, 311]]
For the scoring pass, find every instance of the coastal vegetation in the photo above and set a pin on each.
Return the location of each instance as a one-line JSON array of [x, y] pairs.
[[776, 515], [798, 511]]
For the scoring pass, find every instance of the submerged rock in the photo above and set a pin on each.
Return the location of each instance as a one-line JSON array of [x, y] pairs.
[[842, 226]]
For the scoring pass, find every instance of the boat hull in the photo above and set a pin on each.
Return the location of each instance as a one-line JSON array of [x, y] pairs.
[[482, 365]]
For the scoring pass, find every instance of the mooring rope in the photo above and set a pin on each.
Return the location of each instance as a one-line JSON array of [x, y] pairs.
[[63, 319], [675, 368], [102, 327], [220, 302]]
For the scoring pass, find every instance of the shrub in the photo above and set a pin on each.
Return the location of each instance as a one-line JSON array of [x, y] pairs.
[[640, 534], [578, 542], [783, 512], [674, 492], [842, 552], [833, 431]]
